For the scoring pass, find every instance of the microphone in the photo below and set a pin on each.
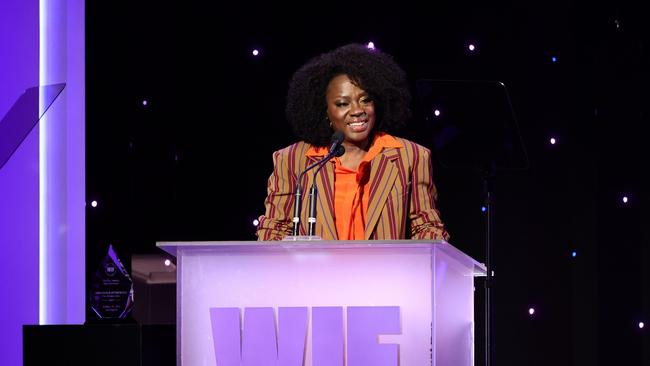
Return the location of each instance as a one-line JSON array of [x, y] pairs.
[[335, 142], [335, 149]]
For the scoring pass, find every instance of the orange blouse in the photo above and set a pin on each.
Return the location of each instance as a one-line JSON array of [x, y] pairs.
[[351, 190]]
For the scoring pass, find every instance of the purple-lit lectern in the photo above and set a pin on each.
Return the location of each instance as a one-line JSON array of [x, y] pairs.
[[324, 303]]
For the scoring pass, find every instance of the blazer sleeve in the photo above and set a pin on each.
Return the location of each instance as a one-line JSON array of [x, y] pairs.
[[276, 223], [424, 216]]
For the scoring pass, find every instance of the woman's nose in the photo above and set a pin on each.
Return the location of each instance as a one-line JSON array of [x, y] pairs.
[[357, 109]]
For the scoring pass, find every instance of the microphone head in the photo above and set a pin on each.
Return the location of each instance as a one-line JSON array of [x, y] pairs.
[[340, 150], [337, 137], [336, 140]]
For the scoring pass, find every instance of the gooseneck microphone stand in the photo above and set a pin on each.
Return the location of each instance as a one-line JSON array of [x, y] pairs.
[[313, 191], [297, 207], [336, 149]]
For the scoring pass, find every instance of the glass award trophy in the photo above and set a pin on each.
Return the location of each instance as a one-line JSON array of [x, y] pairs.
[[112, 289]]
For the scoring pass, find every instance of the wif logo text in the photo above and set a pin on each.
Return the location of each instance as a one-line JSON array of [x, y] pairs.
[[263, 344]]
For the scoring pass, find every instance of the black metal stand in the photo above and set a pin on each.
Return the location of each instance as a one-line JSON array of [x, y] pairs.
[[477, 130], [488, 179]]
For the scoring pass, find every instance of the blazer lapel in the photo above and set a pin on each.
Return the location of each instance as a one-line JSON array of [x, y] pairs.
[[383, 172]]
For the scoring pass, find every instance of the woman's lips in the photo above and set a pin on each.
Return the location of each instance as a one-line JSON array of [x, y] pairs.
[[358, 126]]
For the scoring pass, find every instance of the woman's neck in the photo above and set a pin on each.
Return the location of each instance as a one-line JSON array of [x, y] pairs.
[[356, 148], [354, 153]]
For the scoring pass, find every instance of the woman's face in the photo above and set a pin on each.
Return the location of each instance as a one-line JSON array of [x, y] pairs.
[[351, 110]]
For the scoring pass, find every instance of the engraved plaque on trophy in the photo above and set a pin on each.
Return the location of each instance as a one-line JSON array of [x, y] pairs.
[[112, 288]]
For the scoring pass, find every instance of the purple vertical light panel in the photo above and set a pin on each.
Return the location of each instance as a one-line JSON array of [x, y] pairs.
[[259, 343], [76, 161], [327, 336], [292, 336], [18, 181], [226, 329], [365, 324], [62, 164]]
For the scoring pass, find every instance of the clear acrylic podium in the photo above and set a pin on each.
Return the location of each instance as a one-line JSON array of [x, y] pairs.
[[327, 303]]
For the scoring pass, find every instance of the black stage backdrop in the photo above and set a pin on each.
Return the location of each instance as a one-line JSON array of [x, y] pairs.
[[192, 163]]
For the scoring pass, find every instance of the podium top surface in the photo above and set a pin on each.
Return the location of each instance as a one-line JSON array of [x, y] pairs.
[[299, 246]]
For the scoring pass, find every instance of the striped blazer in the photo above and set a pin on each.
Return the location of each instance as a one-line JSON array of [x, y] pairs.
[[401, 203]]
